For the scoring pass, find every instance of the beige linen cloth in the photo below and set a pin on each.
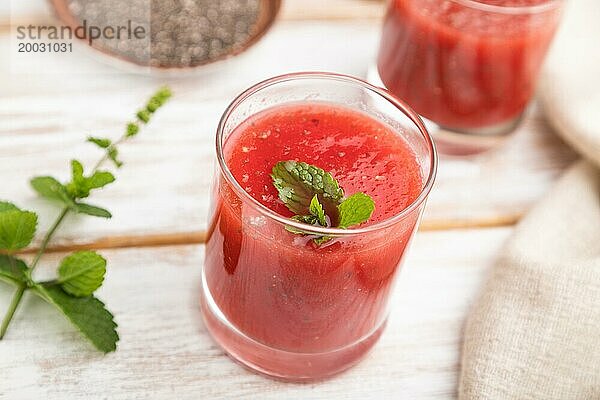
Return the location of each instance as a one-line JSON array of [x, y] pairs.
[[534, 333]]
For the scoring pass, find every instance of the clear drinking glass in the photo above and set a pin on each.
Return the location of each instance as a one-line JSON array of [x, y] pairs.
[[273, 303], [469, 66]]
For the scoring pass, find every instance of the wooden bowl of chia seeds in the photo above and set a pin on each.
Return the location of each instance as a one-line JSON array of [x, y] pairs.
[[168, 35]]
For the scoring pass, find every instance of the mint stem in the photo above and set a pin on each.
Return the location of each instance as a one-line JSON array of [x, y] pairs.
[[105, 157], [22, 287], [62, 216], [11, 309], [47, 239]]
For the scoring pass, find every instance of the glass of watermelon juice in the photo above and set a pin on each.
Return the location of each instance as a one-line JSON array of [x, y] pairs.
[[470, 66], [287, 304]]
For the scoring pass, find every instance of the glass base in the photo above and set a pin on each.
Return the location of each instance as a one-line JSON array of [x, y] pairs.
[[275, 363], [465, 142], [460, 141]]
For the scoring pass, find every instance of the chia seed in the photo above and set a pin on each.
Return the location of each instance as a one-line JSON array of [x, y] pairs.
[[179, 33]]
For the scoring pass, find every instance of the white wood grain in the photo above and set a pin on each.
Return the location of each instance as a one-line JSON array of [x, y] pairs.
[[165, 352], [45, 117]]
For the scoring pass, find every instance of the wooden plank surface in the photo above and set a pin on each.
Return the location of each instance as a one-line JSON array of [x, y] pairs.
[[161, 194], [165, 351]]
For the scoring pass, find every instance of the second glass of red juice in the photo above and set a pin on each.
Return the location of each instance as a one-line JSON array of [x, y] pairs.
[[469, 66], [274, 300]]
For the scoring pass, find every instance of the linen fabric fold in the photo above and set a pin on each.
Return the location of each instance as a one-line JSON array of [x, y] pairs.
[[535, 331]]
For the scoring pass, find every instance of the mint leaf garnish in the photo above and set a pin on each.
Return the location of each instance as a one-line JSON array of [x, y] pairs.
[[88, 314], [355, 210], [81, 273], [298, 182], [16, 229], [301, 187]]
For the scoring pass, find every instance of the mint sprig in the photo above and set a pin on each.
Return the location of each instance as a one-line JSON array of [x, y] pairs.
[[81, 273], [317, 199]]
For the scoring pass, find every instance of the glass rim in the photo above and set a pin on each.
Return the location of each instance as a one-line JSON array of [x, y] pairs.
[[309, 229], [514, 9]]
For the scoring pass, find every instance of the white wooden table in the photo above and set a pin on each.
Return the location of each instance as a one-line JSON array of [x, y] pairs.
[[160, 202]]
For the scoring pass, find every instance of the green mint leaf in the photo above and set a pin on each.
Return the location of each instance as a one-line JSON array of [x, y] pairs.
[[100, 179], [81, 273], [153, 105], [161, 96], [94, 211], [100, 142], [88, 314], [298, 182], [12, 270], [132, 129], [155, 102], [316, 209], [81, 186], [78, 180], [51, 189], [6, 206], [355, 210], [143, 116], [17, 229], [113, 155]]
